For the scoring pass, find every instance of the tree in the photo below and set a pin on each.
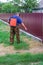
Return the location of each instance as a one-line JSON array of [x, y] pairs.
[[18, 6], [9, 8], [16, 1], [1, 6], [27, 5]]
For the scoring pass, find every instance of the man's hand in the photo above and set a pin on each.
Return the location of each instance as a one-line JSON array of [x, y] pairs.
[[24, 26]]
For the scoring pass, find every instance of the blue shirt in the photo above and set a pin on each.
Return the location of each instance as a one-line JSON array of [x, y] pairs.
[[19, 20]]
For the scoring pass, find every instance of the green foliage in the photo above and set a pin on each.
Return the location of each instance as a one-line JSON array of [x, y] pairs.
[[29, 5], [1, 7], [17, 1], [9, 8], [12, 7]]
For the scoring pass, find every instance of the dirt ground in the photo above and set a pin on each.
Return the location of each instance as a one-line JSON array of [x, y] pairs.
[[35, 47]]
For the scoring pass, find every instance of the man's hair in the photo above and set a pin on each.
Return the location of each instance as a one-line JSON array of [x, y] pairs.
[[18, 13]]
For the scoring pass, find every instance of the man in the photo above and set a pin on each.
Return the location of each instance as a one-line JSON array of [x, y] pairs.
[[14, 27]]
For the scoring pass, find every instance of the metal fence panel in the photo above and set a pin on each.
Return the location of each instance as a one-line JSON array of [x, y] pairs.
[[33, 21]]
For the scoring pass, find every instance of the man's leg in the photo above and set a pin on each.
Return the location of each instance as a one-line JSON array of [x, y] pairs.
[[11, 35], [17, 34]]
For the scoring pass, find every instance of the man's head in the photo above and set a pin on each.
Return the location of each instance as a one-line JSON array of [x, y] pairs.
[[18, 14]]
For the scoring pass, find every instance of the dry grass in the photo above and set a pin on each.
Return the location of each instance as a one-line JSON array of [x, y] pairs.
[[33, 45]]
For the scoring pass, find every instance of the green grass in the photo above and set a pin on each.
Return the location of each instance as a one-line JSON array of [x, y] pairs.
[[17, 59], [5, 38], [22, 59]]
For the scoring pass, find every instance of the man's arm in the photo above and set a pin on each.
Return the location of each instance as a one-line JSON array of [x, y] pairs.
[[24, 26], [9, 20]]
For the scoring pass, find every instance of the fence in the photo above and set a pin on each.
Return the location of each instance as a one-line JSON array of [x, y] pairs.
[[33, 21]]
